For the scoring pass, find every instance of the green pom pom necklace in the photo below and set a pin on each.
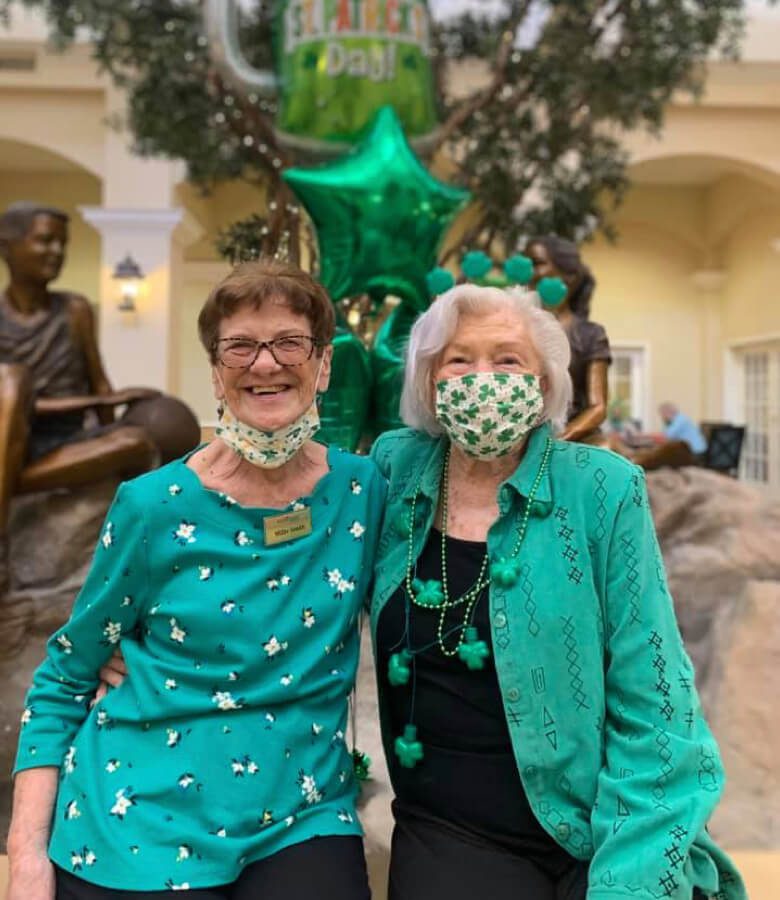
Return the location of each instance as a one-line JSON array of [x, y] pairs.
[[434, 595]]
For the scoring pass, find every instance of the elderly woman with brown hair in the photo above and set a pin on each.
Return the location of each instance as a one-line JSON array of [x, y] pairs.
[[232, 580], [544, 736]]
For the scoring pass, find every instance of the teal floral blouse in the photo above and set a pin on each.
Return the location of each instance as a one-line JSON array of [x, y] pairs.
[[226, 742]]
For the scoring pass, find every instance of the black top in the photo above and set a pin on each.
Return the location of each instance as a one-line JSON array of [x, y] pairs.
[[588, 342], [468, 775]]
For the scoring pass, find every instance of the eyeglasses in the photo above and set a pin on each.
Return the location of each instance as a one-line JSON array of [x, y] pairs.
[[290, 350]]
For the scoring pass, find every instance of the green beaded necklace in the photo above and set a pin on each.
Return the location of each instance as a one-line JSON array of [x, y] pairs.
[[434, 595]]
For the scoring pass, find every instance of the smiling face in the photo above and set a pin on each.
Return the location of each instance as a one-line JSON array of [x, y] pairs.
[[39, 255], [267, 395], [493, 341]]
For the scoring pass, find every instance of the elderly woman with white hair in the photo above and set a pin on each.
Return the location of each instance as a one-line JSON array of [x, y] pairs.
[[544, 736]]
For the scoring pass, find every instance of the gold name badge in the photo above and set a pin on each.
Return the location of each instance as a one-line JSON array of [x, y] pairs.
[[287, 527]]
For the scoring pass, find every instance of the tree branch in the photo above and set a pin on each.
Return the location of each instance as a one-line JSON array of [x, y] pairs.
[[478, 100]]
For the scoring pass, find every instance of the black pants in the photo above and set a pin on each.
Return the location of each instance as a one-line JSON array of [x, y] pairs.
[[318, 869], [430, 863]]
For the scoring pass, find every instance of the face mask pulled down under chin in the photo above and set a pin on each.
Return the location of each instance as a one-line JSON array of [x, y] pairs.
[[269, 449], [488, 414]]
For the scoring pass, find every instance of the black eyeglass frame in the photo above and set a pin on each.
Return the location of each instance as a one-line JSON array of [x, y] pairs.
[[269, 345]]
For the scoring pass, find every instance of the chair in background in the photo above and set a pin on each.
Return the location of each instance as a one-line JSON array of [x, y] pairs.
[[724, 447]]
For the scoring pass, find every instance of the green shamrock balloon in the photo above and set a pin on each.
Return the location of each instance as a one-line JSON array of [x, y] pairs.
[[428, 593], [398, 671], [380, 216], [504, 572], [473, 651], [408, 749]]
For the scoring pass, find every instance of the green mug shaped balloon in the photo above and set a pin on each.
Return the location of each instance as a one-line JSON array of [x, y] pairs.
[[337, 63]]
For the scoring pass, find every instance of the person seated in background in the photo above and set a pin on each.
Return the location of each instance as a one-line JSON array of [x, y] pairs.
[[681, 444]]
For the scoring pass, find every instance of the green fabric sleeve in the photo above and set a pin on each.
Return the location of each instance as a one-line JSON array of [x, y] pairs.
[[107, 608]]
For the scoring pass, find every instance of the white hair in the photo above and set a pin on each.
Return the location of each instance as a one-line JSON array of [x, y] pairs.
[[435, 328]]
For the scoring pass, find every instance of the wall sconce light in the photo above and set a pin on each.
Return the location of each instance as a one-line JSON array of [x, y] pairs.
[[129, 275]]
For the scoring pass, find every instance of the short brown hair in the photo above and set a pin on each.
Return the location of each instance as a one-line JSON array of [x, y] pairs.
[[253, 284], [18, 218]]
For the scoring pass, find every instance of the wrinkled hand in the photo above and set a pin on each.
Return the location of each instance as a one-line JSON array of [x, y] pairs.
[[31, 877], [112, 674]]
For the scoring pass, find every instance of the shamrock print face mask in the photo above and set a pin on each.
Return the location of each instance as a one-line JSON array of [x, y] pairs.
[[487, 414], [267, 449]]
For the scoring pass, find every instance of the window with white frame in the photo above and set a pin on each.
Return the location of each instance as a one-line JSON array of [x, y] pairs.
[[760, 411], [627, 392]]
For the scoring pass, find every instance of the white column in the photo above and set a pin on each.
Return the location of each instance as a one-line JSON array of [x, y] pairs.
[[709, 284], [137, 347]]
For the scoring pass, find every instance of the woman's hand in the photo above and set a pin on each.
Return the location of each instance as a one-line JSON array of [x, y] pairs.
[[112, 674], [31, 877]]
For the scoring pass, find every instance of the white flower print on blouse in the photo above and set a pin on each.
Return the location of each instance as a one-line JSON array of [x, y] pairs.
[[185, 533], [170, 684], [280, 580], [204, 573], [287, 679], [112, 632], [112, 766], [27, 714], [102, 720], [178, 634], [243, 766], [174, 489], [185, 780], [127, 601], [108, 535], [345, 816], [72, 810], [173, 737], [357, 530], [266, 819], [355, 486], [228, 606], [184, 852], [83, 857], [274, 646], [226, 701], [309, 788], [65, 644], [171, 885], [341, 584], [242, 539], [69, 761], [307, 617], [125, 799], [316, 729]]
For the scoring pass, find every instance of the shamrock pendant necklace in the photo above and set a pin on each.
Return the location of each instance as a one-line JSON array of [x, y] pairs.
[[434, 595]]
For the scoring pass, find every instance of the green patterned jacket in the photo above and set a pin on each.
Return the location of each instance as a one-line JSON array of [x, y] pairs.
[[616, 758]]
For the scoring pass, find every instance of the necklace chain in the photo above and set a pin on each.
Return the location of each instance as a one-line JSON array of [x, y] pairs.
[[470, 597]]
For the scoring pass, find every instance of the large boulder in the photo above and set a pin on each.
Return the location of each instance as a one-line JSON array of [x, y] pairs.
[[52, 536]]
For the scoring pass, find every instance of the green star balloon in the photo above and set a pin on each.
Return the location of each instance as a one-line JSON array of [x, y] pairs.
[[380, 215]]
